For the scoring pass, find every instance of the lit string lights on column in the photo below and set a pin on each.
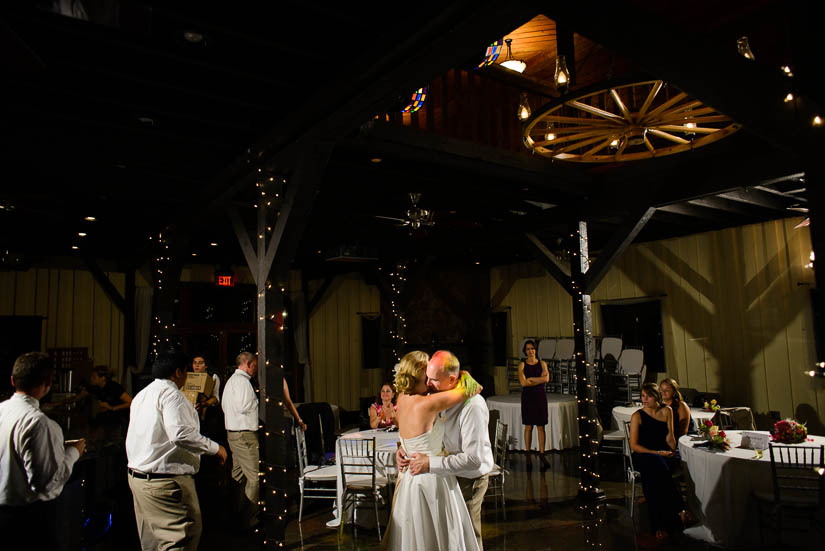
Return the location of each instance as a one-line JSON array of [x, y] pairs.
[[585, 389], [398, 279], [160, 262], [274, 495]]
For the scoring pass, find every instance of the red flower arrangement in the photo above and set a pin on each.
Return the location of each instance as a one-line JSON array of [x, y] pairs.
[[789, 432], [717, 438]]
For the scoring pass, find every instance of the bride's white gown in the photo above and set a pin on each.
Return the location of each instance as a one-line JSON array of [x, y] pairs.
[[429, 512]]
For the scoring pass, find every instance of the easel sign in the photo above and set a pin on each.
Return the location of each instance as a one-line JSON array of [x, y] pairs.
[[755, 440]]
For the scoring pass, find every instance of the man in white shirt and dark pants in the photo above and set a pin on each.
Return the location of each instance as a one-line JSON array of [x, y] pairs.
[[35, 462], [466, 440], [163, 448], [240, 410]]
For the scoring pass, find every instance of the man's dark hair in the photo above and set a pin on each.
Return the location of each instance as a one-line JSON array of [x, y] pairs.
[[31, 370], [102, 371], [166, 364]]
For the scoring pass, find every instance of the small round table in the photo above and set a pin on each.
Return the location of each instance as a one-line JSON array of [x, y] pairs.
[[561, 431]]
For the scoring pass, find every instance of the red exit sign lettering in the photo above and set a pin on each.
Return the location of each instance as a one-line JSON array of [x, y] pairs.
[[226, 281]]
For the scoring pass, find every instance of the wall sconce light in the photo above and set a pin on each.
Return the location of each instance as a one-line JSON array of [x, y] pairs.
[[510, 62], [744, 48], [562, 75], [523, 110]]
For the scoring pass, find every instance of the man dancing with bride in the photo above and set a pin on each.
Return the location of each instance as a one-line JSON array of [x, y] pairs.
[[443, 435]]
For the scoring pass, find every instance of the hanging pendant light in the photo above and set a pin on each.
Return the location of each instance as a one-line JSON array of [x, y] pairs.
[[744, 48], [523, 110], [551, 134], [510, 62], [562, 75]]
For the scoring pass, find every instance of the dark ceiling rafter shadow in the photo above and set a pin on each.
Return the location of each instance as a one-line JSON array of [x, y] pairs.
[[448, 40]]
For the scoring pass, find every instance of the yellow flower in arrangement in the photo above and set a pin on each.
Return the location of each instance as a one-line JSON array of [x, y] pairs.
[[713, 405]]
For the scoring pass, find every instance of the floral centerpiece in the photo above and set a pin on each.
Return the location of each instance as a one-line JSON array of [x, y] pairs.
[[716, 438], [789, 432], [712, 406]]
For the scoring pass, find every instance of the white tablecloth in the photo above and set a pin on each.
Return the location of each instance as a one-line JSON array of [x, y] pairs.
[[722, 485], [386, 444], [621, 414], [562, 430]]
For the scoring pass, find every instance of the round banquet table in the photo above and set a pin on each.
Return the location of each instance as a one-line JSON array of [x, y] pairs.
[[562, 430], [723, 484], [621, 414]]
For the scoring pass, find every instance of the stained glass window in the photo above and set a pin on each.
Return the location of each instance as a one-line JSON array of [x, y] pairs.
[[492, 53], [418, 99]]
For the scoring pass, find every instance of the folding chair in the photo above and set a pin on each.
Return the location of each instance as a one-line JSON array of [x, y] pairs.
[[495, 489], [798, 474], [360, 483], [309, 475], [632, 474]]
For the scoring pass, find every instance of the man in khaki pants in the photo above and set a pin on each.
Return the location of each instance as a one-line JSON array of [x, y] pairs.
[[163, 447], [240, 409]]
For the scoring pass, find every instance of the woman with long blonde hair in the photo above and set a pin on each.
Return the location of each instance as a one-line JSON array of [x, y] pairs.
[[428, 511]]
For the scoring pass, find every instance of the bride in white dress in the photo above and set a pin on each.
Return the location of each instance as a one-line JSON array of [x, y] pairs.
[[428, 510]]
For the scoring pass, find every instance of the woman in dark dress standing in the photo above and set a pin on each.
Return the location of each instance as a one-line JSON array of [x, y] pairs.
[[532, 374], [653, 442]]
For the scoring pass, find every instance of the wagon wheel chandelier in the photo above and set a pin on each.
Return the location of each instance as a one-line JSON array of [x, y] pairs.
[[626, 122]]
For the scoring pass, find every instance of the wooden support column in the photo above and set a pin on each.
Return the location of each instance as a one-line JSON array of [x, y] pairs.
[[585, 378], [269, 261]]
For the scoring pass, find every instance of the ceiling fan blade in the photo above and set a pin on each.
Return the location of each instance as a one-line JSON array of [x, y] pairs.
[[391, 218]]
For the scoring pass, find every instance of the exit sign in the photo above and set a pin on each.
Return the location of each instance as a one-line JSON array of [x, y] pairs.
[[226, 281]]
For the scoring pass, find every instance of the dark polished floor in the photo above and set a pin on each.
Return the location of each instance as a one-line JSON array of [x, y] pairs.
[[542, 513]]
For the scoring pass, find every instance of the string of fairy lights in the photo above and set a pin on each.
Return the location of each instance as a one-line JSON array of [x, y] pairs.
[[398, 279], [273, 499], [161, 260], [586, 391]]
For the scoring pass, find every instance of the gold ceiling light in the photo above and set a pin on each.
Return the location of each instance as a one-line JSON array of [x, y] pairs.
[[627, 122], [523, 110], [510, 62], [744, 48], [562, 74]]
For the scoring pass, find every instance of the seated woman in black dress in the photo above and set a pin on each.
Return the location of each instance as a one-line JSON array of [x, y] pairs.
[[652, 441], [532, 374], [672, 398]]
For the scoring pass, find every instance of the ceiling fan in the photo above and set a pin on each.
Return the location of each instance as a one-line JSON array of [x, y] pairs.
[[416, 216]]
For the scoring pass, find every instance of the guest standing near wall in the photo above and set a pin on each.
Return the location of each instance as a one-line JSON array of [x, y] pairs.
[[533, 374], [240, 409], [35, 462]]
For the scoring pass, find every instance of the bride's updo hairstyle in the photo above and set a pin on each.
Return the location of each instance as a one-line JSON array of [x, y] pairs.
[[412, 365]]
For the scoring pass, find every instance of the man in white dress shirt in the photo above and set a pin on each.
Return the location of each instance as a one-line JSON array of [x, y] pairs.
[[163, 448], [240, 410], [466, 439], [35, 462]]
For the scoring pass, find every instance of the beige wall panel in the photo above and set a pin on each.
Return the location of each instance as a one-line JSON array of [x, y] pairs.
[[54, 307], [708, 301], [65, 309], [83, 311], [102, 329], [7, 293], [41, 306], [25, 290]]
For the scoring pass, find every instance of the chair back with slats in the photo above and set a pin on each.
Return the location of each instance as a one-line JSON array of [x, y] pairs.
[[356, 458], [798, 474]]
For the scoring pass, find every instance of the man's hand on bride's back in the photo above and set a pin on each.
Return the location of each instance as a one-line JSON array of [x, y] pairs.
[[419, 463], [401, 459]]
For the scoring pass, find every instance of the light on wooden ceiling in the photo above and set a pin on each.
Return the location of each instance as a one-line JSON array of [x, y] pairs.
[[744, 48], [562, 75], [510, 62]]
